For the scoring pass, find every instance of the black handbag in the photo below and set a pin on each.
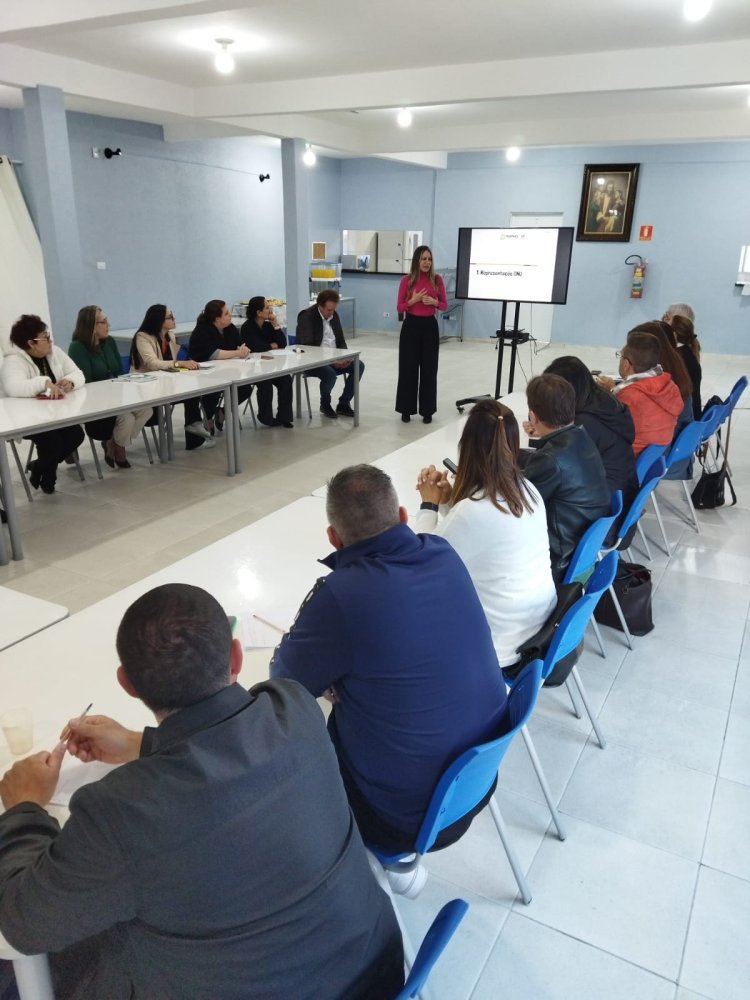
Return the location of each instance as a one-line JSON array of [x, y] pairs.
[[536, 647], [709, 490], [632, 585]]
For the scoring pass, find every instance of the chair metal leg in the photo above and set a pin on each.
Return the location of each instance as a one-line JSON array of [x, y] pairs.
[[657, 511], [77, 461], [307, 394], [523, 886], [249, 405], [582, 692], [621, 616], [96, 458], [598, 635], [542, 778], [382, 879], [645, 542], [691, 508], [21, 472], [573, 702], [148, 446]]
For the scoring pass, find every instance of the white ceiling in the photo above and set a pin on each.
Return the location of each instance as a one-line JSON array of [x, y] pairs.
[[479, 74]]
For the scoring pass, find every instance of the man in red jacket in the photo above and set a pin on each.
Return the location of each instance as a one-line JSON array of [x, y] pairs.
[[653, 398]]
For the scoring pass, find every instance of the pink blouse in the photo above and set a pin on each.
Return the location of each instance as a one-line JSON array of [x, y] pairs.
[[419, 308]]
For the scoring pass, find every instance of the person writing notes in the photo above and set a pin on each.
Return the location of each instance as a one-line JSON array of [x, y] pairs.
[[420, 294], [219, 859]]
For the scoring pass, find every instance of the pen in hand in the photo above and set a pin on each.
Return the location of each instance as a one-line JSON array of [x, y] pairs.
[[68, 732]]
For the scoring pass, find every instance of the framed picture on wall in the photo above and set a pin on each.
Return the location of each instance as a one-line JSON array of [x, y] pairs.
[[607, 202]]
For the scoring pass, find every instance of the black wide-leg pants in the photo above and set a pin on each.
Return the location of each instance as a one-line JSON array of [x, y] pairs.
[[417, 366]]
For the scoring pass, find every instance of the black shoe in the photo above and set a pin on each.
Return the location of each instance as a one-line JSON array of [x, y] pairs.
[[48, 481], [427, 420], [345, 410], [35, 475], [107, 457], [328, 411], [405, 418], [3, 518], [267, 423]]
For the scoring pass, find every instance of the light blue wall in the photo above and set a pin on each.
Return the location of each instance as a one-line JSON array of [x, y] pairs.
[[179, 223], [325, 204], [697, 197]]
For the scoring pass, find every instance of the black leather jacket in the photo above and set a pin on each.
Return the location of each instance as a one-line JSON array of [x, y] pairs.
[[568, 472]]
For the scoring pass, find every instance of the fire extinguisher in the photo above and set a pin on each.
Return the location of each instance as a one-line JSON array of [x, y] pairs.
[[639, 275]]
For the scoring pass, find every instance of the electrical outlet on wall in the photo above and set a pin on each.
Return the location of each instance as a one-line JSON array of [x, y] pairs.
[[96, 152], [101, 265]]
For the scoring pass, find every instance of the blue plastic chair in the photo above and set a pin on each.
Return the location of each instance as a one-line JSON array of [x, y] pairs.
[[569, 632], [685, 446], [441, 930], [466, 782], [646, 460]]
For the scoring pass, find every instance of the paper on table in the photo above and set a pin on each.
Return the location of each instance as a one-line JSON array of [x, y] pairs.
[[277, 352], [74, 775], [207, 364], [266, 630]]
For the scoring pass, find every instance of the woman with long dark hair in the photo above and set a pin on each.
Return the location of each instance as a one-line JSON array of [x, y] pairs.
[[689, 349], [420, 295], [260, 332], [496, 521], [154, 349], [96, 354]]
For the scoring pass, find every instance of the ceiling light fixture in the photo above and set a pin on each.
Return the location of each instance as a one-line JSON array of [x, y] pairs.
[[696, 10], [224, 61], [308, 157], [512, 153], [404, 118]]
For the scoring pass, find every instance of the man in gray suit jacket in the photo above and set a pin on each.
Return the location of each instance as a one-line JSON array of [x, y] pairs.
[[320, 326], [219, 860]]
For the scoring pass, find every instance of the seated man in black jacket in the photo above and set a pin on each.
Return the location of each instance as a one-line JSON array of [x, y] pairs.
[[566, 468], [320, 326], [220, 859]]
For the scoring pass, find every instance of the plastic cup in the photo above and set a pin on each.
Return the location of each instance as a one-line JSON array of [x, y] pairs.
[[18, 728]]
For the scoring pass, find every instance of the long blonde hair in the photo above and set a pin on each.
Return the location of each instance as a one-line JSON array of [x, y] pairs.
[[414, 272]]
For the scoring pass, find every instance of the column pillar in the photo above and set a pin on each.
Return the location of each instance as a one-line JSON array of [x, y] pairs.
[[296, 229], [50, 174]]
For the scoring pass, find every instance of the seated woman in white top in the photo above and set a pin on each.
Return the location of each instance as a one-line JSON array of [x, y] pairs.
[[495, 520]]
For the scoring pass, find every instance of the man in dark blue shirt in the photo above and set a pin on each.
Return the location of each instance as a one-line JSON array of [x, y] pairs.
[[397, 637]]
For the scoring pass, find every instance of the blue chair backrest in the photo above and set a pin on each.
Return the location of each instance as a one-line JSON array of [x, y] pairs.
[[573, 624], [686, 444], [639, 502], [645, 461], [441, 930], [587, 550], [468, 779], [737, 389], [713, 418]]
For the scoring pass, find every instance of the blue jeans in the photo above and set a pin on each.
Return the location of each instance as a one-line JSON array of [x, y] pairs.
[[328, 375]]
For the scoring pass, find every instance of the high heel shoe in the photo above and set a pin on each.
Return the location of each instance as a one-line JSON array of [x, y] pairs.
[[108, 457], [121, 458]]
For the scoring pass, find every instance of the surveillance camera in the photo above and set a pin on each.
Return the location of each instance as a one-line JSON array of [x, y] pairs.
[[264, 177], [109, 153]]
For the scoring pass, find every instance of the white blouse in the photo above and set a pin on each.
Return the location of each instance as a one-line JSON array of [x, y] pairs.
[[508, 559]]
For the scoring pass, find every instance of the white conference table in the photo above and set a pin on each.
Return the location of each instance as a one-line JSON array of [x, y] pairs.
[[403, 465], [22, 616], [23, 416], [270, 564]]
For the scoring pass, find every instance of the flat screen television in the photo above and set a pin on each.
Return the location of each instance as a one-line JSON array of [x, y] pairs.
[[514, 265]]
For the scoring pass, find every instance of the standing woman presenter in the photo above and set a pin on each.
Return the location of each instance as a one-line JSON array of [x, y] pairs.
[[420, 294]]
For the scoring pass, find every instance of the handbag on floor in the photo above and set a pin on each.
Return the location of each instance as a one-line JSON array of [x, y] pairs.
[[709, 490], [632, 585]]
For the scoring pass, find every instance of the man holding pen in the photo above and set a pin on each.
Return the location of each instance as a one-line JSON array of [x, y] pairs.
[[220, 860]]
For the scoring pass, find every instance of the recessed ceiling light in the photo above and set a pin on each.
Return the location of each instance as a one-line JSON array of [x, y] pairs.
[[512, 153], [224, 62], [404, 118], [696, 10], [308, 157]]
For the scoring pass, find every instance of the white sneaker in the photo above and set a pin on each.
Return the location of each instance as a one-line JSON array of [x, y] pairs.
[[408, 884], [199, 430]]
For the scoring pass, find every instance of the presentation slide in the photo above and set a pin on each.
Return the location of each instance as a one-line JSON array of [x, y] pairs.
[[514, 265]]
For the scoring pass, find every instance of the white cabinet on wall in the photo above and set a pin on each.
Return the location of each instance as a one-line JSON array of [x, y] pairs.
[[396, 248]]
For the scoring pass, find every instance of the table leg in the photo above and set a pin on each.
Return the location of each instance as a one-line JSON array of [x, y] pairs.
[[162, 435], [298, 378], [170, 431], [11, 513], [356, 391], [234, 419]]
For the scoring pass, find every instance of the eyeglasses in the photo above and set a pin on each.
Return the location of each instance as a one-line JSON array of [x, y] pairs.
[[41, 337], [169, 316], [102, 320]]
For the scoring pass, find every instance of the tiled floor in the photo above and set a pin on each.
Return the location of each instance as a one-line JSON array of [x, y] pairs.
[[649, 896]]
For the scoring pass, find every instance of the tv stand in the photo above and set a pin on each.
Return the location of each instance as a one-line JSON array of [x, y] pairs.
[[505, 338]]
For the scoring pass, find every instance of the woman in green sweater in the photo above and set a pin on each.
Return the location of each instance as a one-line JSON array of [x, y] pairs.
[[96, 354]]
